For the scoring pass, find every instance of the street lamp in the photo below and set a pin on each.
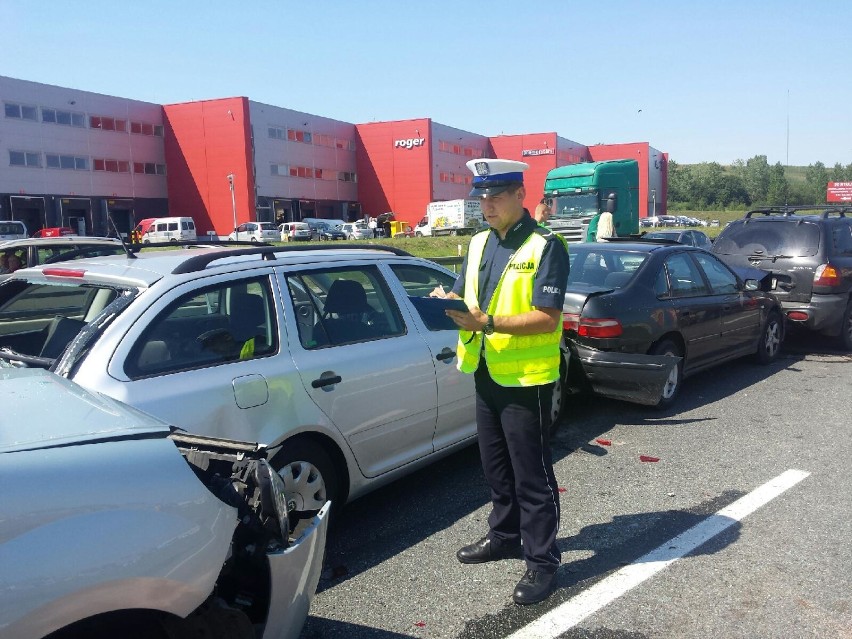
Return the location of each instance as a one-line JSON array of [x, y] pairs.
[[233, 203], [654, 201]]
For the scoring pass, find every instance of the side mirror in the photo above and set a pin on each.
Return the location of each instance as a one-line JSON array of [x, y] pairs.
[[611, 203], [751, 285]]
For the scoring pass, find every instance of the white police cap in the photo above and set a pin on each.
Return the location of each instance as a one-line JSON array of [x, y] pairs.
[[491, 177]]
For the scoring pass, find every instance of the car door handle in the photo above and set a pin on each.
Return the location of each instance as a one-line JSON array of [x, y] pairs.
[[331, 380], [447, 353]]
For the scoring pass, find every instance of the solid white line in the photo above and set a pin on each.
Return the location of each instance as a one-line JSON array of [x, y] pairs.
[[573, 611]]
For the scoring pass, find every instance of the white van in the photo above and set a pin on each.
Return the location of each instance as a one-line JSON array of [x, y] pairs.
[[13, 230], [165, 229]]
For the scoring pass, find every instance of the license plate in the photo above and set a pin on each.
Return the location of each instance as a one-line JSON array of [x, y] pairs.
[[575, 224]]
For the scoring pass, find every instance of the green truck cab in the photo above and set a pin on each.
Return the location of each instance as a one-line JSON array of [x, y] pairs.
[[579, 192]]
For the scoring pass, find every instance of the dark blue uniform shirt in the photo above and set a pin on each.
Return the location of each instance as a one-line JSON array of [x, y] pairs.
[[551, 278]]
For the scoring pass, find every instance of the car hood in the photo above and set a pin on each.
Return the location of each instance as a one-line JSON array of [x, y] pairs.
[[43, 410]]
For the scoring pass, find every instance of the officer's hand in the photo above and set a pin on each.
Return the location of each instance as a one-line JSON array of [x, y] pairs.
[[471, 321]]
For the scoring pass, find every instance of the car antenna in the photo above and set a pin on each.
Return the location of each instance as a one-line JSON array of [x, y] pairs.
[[126, 248]]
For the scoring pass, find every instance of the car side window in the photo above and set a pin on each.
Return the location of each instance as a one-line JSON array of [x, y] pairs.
[[343, 306], [722, 281], [841, 237], [419, 281], [229, 322], [684, 277]]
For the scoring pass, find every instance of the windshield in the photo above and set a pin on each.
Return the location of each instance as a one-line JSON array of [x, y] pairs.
[[792, 237], [574, 205]]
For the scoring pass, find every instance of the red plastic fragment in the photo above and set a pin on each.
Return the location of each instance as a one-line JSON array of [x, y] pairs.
[[420, 624], [648, 458], [563, 490], [604, 442]]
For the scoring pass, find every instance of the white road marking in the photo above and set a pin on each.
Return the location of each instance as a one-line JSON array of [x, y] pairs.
[[573, 611]]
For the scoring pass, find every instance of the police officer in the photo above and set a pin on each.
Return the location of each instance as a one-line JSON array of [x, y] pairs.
[[513, 281]]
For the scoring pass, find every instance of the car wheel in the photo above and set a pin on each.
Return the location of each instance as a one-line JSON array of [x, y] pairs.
[[769, 345], [557, 400], [672, 386], [846, 329], [254, 239], [309, 478]]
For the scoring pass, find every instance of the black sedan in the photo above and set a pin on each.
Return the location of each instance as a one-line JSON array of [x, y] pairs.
[[641, 316], [690, 238], [327, 232]]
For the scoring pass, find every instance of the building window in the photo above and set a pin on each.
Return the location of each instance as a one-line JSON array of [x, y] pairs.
[[346, 176], [295, 135], [145, 128], [111, 166], [149, 168], [277, 133], [21, 111], [24, 158], [56, 161]]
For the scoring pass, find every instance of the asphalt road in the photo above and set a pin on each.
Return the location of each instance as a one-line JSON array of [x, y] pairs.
[[783, 570]]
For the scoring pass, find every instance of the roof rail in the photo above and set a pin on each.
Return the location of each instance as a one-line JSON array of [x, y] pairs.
[[824, 210], [200, 262]]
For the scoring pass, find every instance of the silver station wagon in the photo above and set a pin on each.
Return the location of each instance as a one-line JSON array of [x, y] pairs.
[[324, 355]]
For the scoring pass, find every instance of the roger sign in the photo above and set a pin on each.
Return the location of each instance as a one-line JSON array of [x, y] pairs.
[[410, 143]]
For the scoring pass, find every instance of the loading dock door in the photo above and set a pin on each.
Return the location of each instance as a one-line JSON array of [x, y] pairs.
[[30, 211], [76, 213]]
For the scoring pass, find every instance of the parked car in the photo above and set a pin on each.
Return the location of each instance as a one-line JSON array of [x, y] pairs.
[[357, 231], [316, 352], [808, 251], [641, 316], [690, 238], [120, 526], [49, 250], [295, 232], [255, 232], [326, 232], [12, 230], [154, 230], [667, 220]]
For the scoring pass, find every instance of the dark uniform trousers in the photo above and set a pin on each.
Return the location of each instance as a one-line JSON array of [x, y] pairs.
[[513, 425]]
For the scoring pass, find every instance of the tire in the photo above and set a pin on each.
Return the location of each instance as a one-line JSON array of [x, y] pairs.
[[557, 401], [771, 336], [675, 380], [846, 329], [310, 479]]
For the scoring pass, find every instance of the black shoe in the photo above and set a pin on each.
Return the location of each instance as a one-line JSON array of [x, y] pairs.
[[534, 586], [487, 550]]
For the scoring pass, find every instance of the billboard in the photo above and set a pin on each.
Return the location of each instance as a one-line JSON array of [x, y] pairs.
[[839, 192]]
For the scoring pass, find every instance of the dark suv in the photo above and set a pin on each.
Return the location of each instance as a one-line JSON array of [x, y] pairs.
[[808, 251]]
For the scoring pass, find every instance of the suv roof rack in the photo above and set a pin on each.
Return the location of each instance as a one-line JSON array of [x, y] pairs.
[[825, 210], [200, 262]]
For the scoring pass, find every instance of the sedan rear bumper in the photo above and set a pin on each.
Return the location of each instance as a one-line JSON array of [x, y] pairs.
[[634, 378]]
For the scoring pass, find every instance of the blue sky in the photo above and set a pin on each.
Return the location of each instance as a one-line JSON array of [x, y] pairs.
[[703, 81]]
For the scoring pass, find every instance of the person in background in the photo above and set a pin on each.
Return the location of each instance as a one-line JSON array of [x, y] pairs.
[[513, 282], [542, 212], [4, 264], [608, 230], [13, 262]]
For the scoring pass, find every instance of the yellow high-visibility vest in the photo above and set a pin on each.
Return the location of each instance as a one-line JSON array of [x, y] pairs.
[[513, 360]]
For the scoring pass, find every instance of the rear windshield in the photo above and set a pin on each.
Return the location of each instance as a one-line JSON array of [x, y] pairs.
[[267, 226], [792, 237], [609, 268], [11, 228]]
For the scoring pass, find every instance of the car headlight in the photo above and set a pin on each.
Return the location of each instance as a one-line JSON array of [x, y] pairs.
[[272, 496]]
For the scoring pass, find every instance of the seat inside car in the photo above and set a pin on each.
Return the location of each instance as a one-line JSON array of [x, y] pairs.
[[344, 311]]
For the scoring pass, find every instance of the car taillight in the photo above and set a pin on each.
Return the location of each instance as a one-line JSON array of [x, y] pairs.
[[592, 327], [826, 275], [570, 321], [64, 272]]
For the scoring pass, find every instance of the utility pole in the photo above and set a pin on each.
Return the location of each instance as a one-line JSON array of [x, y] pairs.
[[233, 202]]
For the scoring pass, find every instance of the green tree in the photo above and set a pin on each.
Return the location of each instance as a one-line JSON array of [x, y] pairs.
[[837, 174], [778, 191], [680, 180], [756, 178], [816, 181]]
